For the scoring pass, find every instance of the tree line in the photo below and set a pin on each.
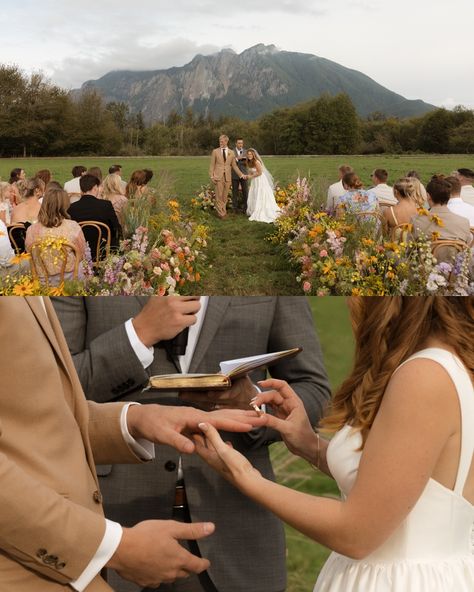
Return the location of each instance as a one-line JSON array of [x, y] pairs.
[[37, 118]]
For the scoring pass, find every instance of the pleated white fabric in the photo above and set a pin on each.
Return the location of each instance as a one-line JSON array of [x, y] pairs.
[[261, 203], [433, 549]]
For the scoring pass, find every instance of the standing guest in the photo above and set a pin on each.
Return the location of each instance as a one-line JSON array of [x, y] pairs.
[[117, 343], [91, 208], [240, 185], [112, 190], [356, 199], [72, 187], [456, 204], [466, 178], [45, 175], [383, 191], [337, 190], [17, 176], [54, 221], [406, 208], [137, 184], [116, 169], [440, 222], [28, 210], [422, 200], [223, 162], [6, 198]]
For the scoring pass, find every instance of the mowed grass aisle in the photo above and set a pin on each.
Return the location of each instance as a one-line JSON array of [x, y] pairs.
[[240, 259]]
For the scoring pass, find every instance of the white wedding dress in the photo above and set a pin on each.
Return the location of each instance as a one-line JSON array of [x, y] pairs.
[[433, 549], [261, 203]]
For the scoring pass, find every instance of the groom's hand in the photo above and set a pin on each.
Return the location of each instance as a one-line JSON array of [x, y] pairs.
[[163, 317], [238, 396]]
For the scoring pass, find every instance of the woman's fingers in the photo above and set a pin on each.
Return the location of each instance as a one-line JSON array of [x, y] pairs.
[[212, 435], [281, 386]]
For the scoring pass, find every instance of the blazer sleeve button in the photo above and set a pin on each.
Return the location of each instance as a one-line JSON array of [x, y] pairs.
[[41, 553], [61, 565], [97, 496]]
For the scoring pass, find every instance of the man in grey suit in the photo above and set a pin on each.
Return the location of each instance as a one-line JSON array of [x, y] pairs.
[[247, 551], [241, 159]]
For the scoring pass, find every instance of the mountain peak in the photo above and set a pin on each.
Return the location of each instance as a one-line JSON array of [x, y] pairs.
[[260, 48]]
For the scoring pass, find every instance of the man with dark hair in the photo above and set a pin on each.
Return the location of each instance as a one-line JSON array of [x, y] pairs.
[[148, 175], [384, 192], [456, 204], [440, 222], [240, 185], [466, 178], [91, 208], [72, 187]]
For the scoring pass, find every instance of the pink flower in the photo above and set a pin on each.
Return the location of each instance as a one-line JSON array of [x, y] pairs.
[[306, 287], [323, 253]]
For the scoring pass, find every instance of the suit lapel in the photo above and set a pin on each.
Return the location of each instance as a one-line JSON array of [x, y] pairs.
[[216, 309]]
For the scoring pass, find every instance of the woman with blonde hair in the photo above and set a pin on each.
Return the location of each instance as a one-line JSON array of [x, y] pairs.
[[54, 221], [29, 209], [6, 197], [405, 193], [112, 190], [137, 185], [402, 452]]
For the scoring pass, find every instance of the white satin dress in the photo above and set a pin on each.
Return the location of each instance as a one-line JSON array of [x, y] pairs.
[[261, 203], [433, 549]]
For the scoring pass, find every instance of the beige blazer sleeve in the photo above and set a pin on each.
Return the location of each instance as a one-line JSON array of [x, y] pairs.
[[35, 521], [212, 166]]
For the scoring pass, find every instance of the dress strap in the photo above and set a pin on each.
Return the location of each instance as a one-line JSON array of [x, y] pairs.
[[393, 215], [465, 390]]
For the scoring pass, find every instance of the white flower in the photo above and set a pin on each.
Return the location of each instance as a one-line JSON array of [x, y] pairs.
[[157, 271]]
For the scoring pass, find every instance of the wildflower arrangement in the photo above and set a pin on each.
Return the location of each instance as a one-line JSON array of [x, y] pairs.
[[205, 198]]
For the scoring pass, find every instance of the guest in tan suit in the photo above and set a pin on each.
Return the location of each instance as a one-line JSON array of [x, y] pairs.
[[53, 534], [220, 171]]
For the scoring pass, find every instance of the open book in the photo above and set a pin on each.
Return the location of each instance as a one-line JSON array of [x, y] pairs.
[[230, 370]]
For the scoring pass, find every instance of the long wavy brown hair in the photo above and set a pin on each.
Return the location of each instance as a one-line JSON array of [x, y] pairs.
[[388, 330]]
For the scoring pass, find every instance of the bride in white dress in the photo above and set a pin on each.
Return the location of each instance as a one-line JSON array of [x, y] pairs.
[[261, 203], [402, 453]]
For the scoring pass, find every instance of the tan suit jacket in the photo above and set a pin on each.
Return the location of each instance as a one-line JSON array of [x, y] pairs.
[[454, 227], [220, 170], [51, 518]]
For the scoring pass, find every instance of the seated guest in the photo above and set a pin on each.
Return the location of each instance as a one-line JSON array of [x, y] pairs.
[[383, 191], [356, 199], [422, 199], [440, 222], [406, 208], [28, 210], [6, 197], [45, 175], [72, 187], [54, 221], [456, 204], [116, 169], [336, 190], [96, 172], [91, 208], [466, 178], [6, 251], [112, 190], [17, 176], [137, 185], [149, 175]]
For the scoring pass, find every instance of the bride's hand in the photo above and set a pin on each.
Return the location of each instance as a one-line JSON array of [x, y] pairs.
[[289, 417], [223, 458]]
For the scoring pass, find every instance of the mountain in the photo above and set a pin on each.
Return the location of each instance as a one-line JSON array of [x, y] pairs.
[[247, 85]]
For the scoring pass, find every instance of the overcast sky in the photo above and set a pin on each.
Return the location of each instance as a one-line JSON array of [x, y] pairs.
[[418, 48]]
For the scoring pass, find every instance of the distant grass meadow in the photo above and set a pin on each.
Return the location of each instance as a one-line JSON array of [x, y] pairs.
[[240, 260]]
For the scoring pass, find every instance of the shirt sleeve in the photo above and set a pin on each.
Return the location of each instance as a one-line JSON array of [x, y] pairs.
[[144, 354], [108, 546], [144, 449]]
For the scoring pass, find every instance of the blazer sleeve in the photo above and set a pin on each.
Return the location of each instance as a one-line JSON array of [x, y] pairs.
[[213, 163], [235, 166], [107, 366], [293, 326], [38, 524]]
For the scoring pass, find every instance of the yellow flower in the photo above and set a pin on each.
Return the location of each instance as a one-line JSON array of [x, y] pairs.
[[173, 204], [26, 288], [17, 259], [437, 220], [423, 212], [57, 291], [368, 242], [435, 236], [327, 268]]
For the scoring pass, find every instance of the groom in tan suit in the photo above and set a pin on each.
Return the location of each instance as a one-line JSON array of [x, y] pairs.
[[223, 161], [53, 534]]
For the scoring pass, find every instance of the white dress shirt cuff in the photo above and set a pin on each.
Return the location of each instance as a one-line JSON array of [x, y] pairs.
[[144, 449], [108, 546], [144, 354]]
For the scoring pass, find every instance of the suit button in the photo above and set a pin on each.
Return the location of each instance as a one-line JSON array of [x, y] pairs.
[[50, 560], [97, 496], [170, 466], [61, 565], [41, 553]]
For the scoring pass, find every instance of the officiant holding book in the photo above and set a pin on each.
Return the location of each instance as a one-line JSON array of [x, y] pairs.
[[119, 343]]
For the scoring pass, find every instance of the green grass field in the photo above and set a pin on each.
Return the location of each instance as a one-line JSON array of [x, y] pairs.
[[240, 261]]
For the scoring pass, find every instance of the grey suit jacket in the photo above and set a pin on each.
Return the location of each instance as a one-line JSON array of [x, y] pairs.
[[242, 165], [247, 551]]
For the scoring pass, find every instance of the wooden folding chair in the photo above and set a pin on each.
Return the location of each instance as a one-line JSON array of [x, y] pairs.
[[401, 232], [41, 258], [100, 232], [17, 236], [445, 250]]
